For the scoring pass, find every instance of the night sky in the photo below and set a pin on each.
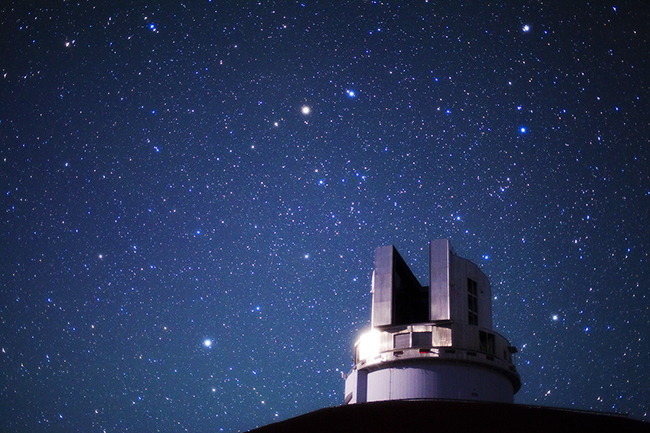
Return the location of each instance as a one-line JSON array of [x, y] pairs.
[[192, 194]]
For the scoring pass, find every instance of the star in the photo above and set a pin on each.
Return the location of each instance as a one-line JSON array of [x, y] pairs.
[[306, 110], [207, 343]]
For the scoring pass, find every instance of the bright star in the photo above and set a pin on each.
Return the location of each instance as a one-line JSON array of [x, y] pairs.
[[522, 129], [207, 343], [351, 93], [306, 110], [526, 28]]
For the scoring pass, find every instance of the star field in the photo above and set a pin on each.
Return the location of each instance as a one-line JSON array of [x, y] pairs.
[[192, 194]]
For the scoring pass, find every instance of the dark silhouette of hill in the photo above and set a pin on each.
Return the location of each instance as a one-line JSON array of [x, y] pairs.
[[453, 416]]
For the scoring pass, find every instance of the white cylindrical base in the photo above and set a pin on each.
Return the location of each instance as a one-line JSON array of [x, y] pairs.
[[436, 381]]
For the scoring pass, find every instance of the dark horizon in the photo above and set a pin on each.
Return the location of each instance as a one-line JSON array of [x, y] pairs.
[[453, 416]]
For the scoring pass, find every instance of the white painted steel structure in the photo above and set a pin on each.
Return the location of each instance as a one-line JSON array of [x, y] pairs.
[[431, 342]]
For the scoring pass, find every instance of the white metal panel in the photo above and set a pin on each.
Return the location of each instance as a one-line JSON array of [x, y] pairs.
[[441, 337], [439, 279], [378, 385], [356, 386], [409, 383]]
